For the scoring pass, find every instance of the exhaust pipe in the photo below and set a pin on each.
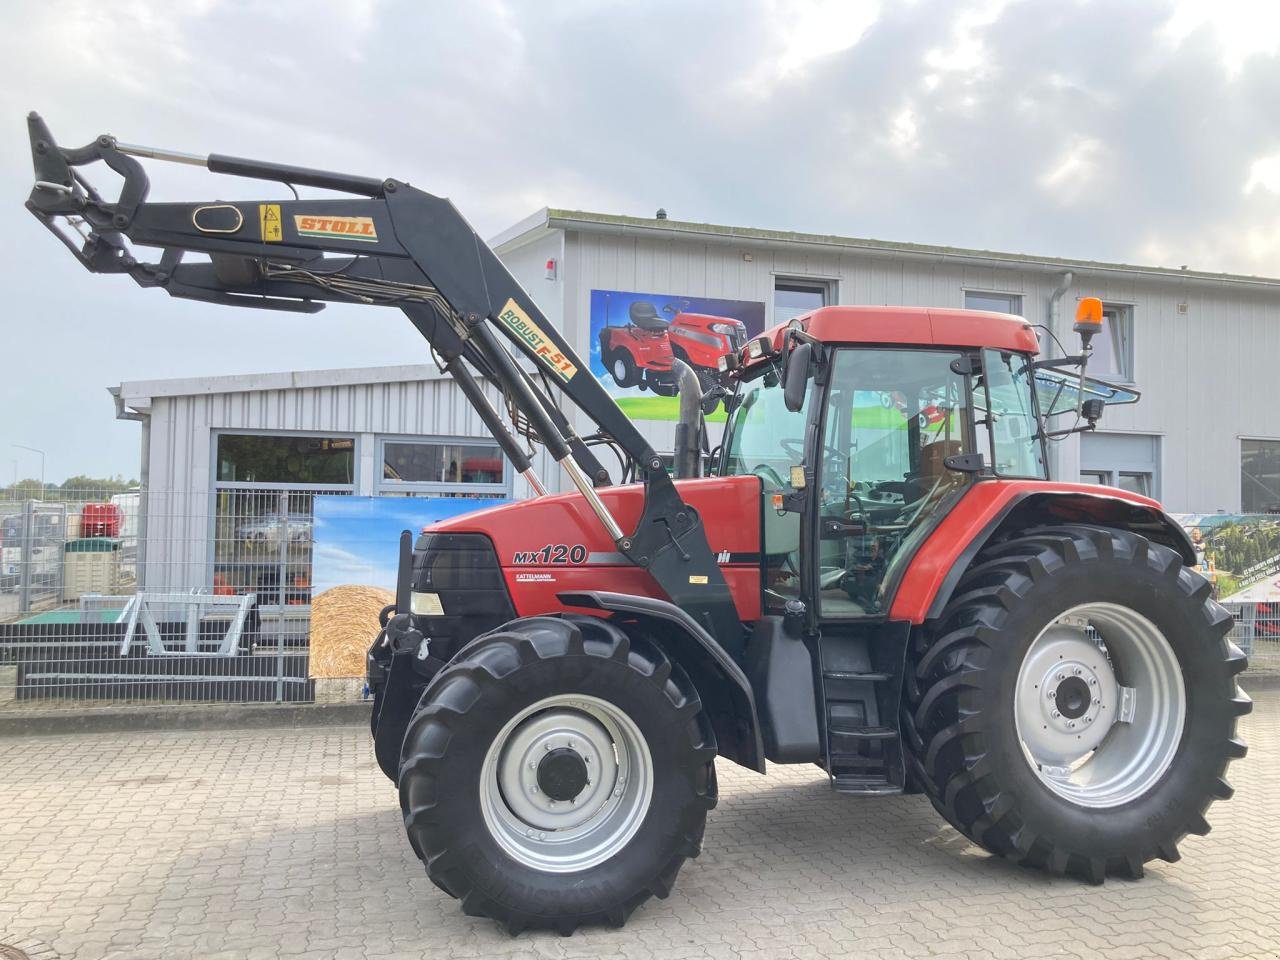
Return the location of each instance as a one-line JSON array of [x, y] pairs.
[[688, 448]]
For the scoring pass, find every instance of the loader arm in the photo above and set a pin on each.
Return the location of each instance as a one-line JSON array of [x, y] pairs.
[[389, 245]]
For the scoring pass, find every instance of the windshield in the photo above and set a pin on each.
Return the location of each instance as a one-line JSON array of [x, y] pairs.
[[765, 438]]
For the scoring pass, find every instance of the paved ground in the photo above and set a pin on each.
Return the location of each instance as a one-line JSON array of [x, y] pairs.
[[263, 843]]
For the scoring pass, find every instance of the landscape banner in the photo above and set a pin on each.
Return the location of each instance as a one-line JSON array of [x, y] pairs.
[[1239, 553], [355, 555]]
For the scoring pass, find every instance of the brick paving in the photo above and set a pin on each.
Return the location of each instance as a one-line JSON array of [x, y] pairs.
[[267, 843]]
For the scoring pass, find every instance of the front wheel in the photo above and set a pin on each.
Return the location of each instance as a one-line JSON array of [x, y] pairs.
[[558, 773], [1075, 708]]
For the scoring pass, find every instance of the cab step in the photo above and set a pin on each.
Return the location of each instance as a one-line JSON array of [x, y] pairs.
[[861, 674]]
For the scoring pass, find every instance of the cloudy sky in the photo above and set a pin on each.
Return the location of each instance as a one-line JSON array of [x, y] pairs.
[[1136, 130]]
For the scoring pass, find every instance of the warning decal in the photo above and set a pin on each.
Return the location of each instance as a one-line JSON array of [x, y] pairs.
[[269, 218]]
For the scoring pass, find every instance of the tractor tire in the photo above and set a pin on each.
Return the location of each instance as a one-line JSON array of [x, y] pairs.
[[496, 779], [623, 369], [1008, 702]]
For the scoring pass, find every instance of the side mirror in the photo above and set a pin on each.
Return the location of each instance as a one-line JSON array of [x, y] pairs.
[[795, 376]]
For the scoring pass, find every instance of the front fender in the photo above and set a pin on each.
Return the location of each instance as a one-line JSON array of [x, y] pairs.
[[723, 688]]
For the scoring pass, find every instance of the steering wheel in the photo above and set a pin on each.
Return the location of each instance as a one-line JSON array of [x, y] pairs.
[[768, 474]]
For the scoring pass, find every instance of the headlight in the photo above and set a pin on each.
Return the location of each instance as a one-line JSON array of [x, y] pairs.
[[727, 329], [425, 605]]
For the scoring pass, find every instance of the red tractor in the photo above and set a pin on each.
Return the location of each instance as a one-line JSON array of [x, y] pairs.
[[880, 578], [701, 339], [639, 353]]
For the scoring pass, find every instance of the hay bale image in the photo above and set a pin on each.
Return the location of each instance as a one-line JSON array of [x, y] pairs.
[[344, 621]]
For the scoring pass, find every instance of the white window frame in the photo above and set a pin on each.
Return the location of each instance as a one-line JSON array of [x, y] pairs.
[[828, 285], [217, 486], [383, 487], [1009, 294], [1242, 440], [1122, 336]]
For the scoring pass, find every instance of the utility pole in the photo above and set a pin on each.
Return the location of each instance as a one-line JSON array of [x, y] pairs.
[[23, 446]]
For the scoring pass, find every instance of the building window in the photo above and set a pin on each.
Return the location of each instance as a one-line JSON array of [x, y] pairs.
[[1135, 482], [995, 302], [1130, 461], [264, 487], [1112, 357], [792, 297], [443, 469], [250, 458], [1260, 476]]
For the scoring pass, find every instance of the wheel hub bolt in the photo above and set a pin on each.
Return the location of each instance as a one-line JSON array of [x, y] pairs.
[[1077, 671], [1056, 715]]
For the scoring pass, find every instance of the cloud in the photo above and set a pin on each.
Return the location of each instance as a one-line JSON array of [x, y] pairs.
[[1115, 130]]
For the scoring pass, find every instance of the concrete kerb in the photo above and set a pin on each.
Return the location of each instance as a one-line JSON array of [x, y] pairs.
[[238, 716], [228, 716]]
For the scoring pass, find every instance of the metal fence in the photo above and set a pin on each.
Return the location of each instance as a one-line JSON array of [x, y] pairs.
[[1257, 633], [135, 596], [155, 597]]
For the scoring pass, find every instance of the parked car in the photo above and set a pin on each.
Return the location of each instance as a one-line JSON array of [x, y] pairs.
[[270, 527]]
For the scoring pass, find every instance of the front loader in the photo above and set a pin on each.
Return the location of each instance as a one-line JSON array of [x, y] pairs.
[[878, 577]]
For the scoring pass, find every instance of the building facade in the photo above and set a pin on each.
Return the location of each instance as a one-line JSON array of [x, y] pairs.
[[230, 464]]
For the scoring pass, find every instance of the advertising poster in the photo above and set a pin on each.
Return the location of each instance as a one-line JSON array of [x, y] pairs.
[[354, 559], [635, 337], [1239, 554]]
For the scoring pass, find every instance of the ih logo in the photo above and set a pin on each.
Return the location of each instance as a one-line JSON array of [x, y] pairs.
[[345, 228], [521, 324]]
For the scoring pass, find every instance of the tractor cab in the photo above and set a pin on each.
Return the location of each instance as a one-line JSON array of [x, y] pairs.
[[881, 440]]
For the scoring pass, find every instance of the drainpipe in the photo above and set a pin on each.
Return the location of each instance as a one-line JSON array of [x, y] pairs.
[[1051, 321], [1064, 284]]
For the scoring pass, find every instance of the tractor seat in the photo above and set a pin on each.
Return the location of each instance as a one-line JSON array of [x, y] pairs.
[[645, 316]]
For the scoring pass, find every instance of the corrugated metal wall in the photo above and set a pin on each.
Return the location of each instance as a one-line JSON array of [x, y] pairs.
[[180, 499], [1206, 374]]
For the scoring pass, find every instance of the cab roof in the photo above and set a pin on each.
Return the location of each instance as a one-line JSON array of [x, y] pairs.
[[914, 326]]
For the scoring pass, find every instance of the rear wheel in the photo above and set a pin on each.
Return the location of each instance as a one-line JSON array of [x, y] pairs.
[[558, 773], [1075, 708]]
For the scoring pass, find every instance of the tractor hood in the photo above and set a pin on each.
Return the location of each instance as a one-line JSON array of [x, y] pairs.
[[561, 530]]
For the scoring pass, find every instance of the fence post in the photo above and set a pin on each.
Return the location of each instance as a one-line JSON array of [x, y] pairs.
[[26, 556], [282, 575]]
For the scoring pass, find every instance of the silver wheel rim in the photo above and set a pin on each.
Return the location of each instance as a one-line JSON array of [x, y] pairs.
[[1113, 744], [619, 370], [566, 835]]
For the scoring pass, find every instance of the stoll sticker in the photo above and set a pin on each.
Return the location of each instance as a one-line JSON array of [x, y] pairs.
[[521, 324], [343, 228]]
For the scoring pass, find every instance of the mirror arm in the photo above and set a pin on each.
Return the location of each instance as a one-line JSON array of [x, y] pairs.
[[1052, 434], [1060, 362]]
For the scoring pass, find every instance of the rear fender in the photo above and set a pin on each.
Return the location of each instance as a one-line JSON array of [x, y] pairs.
[[1030, 508], [723, 688]]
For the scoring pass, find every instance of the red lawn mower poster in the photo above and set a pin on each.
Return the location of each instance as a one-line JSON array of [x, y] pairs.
[[635, 337]]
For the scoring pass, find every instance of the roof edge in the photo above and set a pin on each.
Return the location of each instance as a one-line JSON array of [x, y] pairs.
[[588, 221]]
